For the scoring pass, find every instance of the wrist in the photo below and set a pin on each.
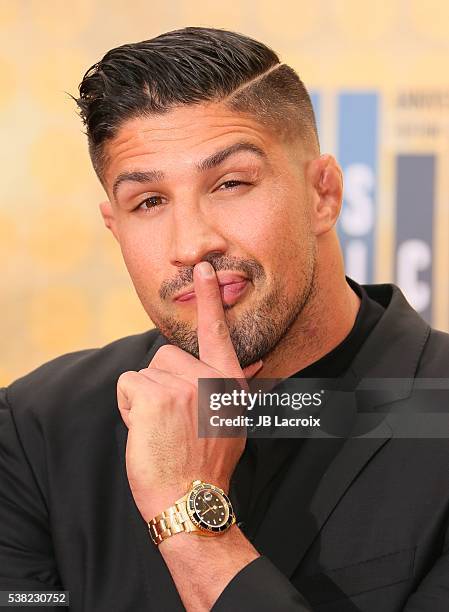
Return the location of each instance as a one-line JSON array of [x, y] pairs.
[[209, 548], [208, 563]]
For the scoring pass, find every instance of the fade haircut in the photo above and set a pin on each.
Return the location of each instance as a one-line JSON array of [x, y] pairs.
[[190, 66]]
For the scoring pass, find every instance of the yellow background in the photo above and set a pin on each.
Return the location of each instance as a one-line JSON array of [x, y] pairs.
[[63, 285]]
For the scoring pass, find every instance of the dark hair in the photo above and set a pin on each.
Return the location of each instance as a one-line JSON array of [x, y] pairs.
[[189, 66]]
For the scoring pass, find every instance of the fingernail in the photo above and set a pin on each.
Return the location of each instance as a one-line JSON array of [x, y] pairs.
[[206, 270]]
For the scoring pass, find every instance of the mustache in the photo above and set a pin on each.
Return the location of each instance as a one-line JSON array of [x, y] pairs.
[[251, 268]]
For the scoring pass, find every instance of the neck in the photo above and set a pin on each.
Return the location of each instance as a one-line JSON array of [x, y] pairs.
[[323, 324]]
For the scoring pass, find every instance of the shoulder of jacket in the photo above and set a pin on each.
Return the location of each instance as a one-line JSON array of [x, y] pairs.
[[434, 361], [72, 376]]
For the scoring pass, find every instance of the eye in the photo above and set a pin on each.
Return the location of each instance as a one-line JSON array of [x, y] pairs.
[[149, 203], [232, 184]]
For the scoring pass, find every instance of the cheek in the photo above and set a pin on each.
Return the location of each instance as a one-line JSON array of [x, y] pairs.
[[141, 252], [274, 229]]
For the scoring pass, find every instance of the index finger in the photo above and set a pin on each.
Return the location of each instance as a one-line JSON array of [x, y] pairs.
[[214, 341]]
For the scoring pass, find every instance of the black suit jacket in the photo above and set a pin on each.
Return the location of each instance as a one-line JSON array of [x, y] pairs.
[[373, 537]]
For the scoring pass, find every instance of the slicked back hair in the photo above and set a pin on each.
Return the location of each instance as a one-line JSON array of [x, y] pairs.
[[191, 66]]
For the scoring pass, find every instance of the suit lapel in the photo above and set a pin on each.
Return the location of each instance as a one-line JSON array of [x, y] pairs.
[[286, 549], [392, 350]]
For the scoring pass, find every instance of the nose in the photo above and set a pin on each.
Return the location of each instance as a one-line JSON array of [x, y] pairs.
[[193, 236]]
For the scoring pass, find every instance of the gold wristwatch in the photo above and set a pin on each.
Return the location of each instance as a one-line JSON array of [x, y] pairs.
[[204, 510]]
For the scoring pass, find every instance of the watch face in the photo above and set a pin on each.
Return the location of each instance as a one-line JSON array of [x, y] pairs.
[[210, 508]]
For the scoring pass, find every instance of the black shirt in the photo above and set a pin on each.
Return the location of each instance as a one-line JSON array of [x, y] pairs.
[[265, 461]]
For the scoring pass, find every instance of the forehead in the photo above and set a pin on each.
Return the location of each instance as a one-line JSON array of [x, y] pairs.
[[181, 137]]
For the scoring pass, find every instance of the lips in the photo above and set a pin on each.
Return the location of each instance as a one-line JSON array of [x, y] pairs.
[[232, 287], [231, 292]]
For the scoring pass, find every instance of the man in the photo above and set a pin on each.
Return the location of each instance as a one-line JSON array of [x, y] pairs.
[[225, 213]]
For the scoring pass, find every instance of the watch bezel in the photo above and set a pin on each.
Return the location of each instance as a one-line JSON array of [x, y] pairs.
[[197, 520]]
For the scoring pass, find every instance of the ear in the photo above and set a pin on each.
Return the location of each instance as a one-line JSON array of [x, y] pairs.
[[107, 213], [326, 180]]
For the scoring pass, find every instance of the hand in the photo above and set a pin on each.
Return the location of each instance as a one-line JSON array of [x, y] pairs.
[[159, 405]]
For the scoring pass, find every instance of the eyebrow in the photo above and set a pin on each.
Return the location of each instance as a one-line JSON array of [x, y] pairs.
[[217, 158], [210, 162]]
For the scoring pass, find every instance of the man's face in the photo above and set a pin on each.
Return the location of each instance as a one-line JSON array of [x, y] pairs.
[[211, 184]]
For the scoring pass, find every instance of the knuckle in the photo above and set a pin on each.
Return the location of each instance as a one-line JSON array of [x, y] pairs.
[[219, 328], [166, 351], [180, 397], [190, 393], [125, 378]]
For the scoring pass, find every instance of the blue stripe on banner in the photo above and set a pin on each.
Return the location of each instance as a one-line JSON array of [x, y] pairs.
[[415, 203], [316, 103], [357, 154]]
